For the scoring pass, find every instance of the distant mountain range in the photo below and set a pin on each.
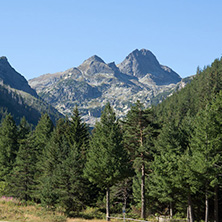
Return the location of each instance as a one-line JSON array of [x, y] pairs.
[[89, 86], [94, 83]]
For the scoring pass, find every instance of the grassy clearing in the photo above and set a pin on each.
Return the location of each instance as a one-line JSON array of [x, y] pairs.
[[12, 210]]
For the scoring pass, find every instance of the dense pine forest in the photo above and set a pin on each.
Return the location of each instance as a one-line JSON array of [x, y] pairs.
[[165, 160]]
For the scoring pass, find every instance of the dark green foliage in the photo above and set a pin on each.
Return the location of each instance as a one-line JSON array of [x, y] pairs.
[[165, 164], [24, 129], [187, 163], [72, 186], [21, 179], [39, 139], [42, 134], [199, 92], [8, 145], [78, 133], [206, 148], [20, 105], [107, 160], [49, 195], [63, 162], [140, 131]]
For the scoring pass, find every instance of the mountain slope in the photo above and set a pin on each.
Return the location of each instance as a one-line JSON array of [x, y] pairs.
[[202, 90], [10, 77], [93, 83], [141, 63], [19, 99]]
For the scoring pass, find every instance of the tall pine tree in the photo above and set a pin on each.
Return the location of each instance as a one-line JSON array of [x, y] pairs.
[[139, 131], [107, 161]]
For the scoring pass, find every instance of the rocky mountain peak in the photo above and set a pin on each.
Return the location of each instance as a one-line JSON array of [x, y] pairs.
[[94, 65], [3, 59], [141, 63], [4, 63], [142, 56], [93, 59]]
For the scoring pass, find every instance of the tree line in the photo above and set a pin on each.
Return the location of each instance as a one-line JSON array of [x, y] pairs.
[[161, 160]]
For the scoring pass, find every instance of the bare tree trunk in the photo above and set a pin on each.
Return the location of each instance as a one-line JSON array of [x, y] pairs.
[[206, 207], [190, 210], [216, 217], [107, 204], [143, 207], [171, 210], [125, 195]]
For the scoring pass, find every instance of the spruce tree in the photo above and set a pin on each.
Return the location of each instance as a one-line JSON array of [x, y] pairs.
[[21, 179], [40, 138], [8, 145], [42, 133], [55, 151], [78, 131], [63, 163], [107, 161], [72, 186], [164, 166]]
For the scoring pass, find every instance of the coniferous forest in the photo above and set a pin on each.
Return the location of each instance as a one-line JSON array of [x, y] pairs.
[[164, 160]]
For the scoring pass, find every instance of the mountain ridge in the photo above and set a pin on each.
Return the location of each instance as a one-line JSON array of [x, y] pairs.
[[142, 62], [94, 83]]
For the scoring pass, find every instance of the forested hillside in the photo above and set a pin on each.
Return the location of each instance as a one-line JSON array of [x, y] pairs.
[[19, 99], [164, 160], [205, 86], [187, 160], [20, 104]]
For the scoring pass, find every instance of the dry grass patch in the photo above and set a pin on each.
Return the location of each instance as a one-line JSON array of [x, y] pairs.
[[11, 210]]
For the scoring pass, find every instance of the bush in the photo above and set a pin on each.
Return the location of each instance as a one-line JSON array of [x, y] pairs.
[[2, 188], [92, 213]]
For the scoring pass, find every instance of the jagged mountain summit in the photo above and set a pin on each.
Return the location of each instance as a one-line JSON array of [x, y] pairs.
[[141, 63], [94, 83]]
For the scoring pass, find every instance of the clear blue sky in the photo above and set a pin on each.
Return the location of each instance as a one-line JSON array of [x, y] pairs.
[[47, 36]]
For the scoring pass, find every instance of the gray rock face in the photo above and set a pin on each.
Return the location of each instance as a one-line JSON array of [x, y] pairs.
[[94, 83], [10, 77], [141, 63]]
